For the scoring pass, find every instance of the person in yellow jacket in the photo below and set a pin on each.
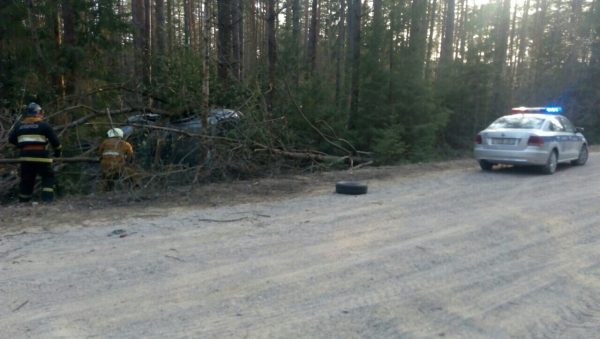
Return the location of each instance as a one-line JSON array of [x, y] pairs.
[[116, 156], [32, 136]]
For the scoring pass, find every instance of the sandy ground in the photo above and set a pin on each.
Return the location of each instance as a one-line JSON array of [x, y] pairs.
[[436, 250]]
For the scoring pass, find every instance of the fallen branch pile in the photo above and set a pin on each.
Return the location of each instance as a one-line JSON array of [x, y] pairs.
[[65, 160]]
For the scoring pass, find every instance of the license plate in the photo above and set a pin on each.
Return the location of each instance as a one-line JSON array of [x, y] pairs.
[[504, 141]]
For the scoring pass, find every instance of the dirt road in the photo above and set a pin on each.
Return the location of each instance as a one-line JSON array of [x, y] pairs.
[[455, 253]]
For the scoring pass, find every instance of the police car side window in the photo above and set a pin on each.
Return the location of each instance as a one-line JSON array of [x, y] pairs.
[[557, 126], [568, 125]]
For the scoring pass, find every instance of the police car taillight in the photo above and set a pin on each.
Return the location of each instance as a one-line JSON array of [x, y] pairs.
[[535, 140], [478, 139]]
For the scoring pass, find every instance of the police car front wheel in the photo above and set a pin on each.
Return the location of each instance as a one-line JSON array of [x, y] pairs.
[[583, 156]]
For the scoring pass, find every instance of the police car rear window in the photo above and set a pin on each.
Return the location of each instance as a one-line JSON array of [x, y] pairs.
[[518, 122]]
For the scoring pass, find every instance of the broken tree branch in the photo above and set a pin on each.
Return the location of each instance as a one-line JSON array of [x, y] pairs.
[[65, 160]]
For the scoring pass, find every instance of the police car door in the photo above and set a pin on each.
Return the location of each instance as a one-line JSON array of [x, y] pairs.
[[565, 140], [575, 140], [561, 138]]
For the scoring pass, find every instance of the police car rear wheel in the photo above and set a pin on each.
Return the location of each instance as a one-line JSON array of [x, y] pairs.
[[583, 156], [551, 164], [485, 165]]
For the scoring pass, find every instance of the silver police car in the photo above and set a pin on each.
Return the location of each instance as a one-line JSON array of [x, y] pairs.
[[538, 136]]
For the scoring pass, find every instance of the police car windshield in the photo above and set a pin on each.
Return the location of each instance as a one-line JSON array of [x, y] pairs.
[[518, 122]]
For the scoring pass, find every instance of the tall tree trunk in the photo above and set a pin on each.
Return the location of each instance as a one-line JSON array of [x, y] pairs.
[[68, 18], [500, 53], [394, 18], [538, 49], [147, 41], [354, 10], [159, 9], [312, 36], [430, 41], [418, 37], [205, 62], [446, 52], [68, 42], [377, 13], [193, 29], [378, 30], [462, 48], [238, 38], [296, 14], [511, 48], [595, 37], [374, 44], [306, 25], [170, 30], [501, 34], [251, 44], [339, 52], [186, 24], [225, 41], [523, 37], [138, 12], [574, 36], [272, 53]]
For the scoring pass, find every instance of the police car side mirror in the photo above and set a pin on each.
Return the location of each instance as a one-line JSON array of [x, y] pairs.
[[578, 129]]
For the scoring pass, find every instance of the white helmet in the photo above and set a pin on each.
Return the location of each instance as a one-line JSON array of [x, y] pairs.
[[115, 132]]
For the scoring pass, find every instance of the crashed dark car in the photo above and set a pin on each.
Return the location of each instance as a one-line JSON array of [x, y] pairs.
[[220, 120], [159, 145]]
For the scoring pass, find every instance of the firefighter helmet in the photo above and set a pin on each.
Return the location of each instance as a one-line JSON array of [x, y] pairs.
[[115, 132], [33, 109]]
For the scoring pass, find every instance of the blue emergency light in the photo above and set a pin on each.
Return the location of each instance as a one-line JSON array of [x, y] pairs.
[[555, 109]]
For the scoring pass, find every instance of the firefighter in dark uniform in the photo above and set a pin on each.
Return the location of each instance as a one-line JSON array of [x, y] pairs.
[[32, 136], [116, 155]]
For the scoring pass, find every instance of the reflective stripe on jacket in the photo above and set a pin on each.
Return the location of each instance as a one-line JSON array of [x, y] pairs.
[[32, 136], [114, 153]]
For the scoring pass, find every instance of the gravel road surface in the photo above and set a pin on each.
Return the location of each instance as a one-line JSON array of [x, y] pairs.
[[454, 253]]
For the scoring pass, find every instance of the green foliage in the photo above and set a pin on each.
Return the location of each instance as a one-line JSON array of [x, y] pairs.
[[307, 112], [466, 92], [183, 85], [582, 104], [375, 105], [20, 76], [390, 146]]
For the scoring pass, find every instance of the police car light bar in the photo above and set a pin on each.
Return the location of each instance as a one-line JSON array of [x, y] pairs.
[[543, 110], [554, 109]]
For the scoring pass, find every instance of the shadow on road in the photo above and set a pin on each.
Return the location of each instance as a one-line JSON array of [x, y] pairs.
[[526, 170]]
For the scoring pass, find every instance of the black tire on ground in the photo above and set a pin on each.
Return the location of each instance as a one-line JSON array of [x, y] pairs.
[[485, 165], [583, 156], [350, 187], [550, 166]]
